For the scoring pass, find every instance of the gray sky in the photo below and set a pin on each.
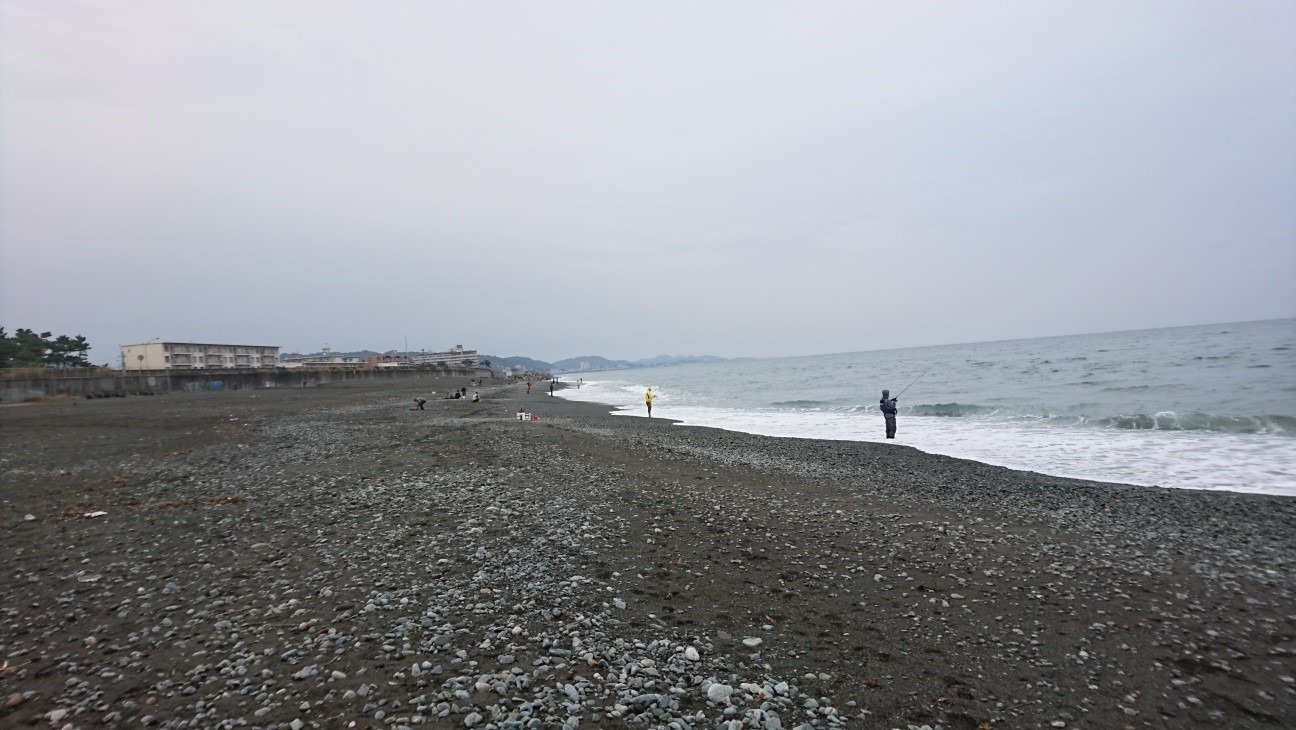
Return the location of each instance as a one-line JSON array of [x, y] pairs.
[[631, 179]]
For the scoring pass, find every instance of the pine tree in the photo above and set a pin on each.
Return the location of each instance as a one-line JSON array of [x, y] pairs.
[[29, 349]]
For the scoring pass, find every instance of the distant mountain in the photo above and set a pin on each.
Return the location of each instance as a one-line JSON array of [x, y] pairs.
[[677, 360], [592, 362], [526, 363], [595, 362], [571, 364], [598, 362]]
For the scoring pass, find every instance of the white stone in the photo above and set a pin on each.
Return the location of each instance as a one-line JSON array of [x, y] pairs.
[[752, 641], [691, 654], [719, 693]]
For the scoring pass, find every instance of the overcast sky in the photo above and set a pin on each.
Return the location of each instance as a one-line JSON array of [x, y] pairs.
[[630, 179]]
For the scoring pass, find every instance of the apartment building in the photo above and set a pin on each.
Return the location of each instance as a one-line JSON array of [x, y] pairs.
[[197, 355], [455, 357]]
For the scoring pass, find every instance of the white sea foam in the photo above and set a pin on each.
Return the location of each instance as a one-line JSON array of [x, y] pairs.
[[1069, 444]]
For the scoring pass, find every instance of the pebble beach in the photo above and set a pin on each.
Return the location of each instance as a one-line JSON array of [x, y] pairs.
[[329, 557]]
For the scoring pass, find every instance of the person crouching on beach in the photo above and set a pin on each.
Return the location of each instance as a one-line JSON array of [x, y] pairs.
[[649, 396], [888, 406]]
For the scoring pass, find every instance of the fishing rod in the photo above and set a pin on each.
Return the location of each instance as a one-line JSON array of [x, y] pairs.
[[907, 387]]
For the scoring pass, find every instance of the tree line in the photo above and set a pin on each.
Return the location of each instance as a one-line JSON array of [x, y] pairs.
[[29, 349]]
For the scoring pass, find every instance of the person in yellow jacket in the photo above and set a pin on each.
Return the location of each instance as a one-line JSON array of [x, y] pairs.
[[649, 396]]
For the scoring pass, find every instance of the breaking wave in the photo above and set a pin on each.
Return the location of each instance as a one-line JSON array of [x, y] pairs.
[[1163, 421], [1169, 421], [953, 410], [801, 404]]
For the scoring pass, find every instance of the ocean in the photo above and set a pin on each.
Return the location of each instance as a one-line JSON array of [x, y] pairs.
[[1203, 407]]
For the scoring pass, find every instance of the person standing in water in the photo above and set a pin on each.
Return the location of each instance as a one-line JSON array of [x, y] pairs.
[[649, 396], [888, 406]]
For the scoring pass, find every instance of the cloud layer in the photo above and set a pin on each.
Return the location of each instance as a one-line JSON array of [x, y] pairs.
[[628, 179]]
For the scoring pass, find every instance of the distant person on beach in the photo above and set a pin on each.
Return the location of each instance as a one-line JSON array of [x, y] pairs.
[[649, 396], [419, 402], [476, 397], [551, 387], [888, 406], [528, 387]]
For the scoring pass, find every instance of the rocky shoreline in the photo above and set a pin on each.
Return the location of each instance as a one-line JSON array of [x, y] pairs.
[[327, 557]]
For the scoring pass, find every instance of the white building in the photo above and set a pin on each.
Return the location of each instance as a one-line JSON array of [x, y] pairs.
[[455, 357], [197, 355], [325, 361]]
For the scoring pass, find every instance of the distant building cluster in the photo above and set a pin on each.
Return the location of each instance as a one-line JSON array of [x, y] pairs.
[[192, 355], [455, 357], [323, 361]]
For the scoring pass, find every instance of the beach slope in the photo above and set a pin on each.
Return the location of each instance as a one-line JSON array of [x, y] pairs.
[[324, 556]]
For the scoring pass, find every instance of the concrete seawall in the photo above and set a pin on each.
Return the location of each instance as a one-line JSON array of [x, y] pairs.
[[108, 384]]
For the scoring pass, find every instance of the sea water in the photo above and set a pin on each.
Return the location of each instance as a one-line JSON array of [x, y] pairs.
[[1206, 407]]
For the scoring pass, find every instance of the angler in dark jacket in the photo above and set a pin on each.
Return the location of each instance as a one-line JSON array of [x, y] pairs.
[[888, 406]]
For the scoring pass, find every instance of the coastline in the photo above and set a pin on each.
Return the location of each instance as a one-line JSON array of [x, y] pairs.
[[887, 586], [1145, 407], [1082, 454]]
